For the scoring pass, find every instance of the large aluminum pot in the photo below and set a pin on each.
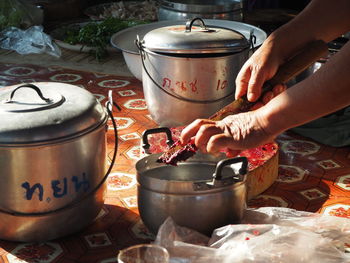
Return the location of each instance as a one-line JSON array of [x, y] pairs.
[[124, 39], [52, 156], [189, 72], [37, 227], [216, 9], [196, 194]]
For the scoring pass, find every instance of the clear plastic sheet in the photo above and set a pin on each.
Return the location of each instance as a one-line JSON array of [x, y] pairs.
[[31, 40], [268, 234]]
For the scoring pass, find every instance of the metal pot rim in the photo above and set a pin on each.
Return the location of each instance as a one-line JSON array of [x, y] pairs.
[[200, 7], [164, 185]]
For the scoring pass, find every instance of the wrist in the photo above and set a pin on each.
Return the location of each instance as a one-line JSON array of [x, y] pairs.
[[271, 121]]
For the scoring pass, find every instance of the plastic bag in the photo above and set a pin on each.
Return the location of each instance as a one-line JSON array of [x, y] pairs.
[[268, 234], [31, 40], [20, 14]]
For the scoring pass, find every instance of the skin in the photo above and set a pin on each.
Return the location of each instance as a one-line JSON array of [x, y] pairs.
[[322, 93]]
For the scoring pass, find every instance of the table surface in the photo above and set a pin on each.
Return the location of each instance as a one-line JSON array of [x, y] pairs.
[[312, 177]]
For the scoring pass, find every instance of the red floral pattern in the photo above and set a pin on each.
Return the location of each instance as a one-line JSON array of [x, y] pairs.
[[34, 253], [118, 220], [341, 212]]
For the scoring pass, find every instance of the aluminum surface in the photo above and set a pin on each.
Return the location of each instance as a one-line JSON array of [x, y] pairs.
[[125, 39], [217, 9], [194, 37], [165, 191], [41, 178], [27, 118], [28, 227], [210, 81]]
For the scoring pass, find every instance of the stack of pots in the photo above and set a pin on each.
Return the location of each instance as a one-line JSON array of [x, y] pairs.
[[189, 71], [52, 160], [216, 9]]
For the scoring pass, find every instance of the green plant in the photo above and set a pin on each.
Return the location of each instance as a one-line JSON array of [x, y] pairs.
[[98, 34]]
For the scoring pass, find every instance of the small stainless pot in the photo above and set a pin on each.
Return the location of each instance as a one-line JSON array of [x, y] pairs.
[[52, 159], [201, 195]]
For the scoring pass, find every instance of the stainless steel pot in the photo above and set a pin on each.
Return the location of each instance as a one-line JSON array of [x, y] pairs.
[[198, 195], [201, 194], [216, 9], [124, 39], [189, 72], [52, 157]]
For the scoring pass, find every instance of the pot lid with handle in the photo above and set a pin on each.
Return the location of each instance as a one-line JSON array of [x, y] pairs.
[[46, 111], [191, 39]]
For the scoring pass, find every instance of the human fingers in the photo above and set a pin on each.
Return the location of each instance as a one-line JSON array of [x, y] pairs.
[[221, 141], [242, 81], [204, 134], [257, 105], [271, 94], [191, 130], [256, 81], [267, 97], [278, 89]]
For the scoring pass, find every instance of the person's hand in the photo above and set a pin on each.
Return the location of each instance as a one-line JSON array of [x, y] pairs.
[[259, 68], [234, 133]]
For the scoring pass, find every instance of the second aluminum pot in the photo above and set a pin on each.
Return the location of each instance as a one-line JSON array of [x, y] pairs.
[[52, 160], [199, 195], [189, 71]]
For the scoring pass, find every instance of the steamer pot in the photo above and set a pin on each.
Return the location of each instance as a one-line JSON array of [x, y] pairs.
[[199, 195], [52, 159], [189, 71]]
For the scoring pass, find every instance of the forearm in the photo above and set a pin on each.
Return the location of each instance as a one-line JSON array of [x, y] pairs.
[[322, 93], [320, 20]]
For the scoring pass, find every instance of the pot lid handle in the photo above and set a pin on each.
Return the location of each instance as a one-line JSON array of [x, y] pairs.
[[30, 103], [28, 85], [190, 23]]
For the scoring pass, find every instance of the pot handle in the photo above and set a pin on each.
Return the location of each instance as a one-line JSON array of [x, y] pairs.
[[217, 179], [145, 143], [109, 106], [190, 23], [32, 86], [221, 164]]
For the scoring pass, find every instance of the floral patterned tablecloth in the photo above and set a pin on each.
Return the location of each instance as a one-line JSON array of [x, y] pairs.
[[312, 177]]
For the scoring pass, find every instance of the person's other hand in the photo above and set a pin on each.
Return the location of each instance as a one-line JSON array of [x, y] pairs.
[[259, 68]]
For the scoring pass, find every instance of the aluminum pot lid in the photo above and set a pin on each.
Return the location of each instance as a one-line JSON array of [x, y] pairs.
[[193, 39], [45, 111]]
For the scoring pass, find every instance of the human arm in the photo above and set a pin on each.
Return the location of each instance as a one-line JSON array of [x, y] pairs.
[[326, 91], [320, 20]]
